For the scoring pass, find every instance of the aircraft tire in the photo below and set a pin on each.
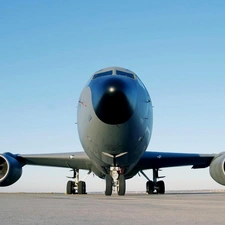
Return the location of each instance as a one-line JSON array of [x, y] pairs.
[[70, 187], [122, 185], [108, 185], [149, 187], [161, 187], [81, 187]]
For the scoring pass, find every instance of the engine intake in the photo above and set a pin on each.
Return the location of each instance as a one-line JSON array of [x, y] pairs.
[[10, 169], [217, 168]]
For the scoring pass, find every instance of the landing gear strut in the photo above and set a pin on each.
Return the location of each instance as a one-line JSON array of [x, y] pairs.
[[154, 187], [115, 180], [75, 187]]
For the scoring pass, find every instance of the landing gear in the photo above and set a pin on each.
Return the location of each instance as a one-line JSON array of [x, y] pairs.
[[121, 189], [76, 187], [154, 187], [115, 180], [161, 187], [70, 187], [149, 187], [158, 188], [108, 186], [81, 187]]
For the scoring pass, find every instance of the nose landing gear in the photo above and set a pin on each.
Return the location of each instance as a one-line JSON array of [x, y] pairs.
[[115, 180]]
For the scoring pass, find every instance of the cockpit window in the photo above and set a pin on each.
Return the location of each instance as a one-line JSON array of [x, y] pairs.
[[110, 72], [118, 72]]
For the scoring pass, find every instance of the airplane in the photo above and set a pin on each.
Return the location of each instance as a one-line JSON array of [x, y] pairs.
[[114, 121]]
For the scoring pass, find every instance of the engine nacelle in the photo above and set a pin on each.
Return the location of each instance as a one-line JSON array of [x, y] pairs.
[[217, 168], [10, 169]]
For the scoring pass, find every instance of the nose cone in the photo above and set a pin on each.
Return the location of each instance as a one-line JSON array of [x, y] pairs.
[[113, 98]]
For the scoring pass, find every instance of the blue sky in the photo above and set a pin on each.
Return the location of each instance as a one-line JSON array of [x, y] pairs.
[[49, 49]]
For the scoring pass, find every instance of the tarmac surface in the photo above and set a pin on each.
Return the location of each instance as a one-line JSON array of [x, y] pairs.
[[171, 208]]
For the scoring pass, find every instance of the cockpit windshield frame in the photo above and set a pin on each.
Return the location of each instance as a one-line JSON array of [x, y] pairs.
[[126, 74], [101, 74]]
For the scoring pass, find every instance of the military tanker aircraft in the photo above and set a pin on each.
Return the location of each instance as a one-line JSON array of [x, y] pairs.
[[114, 121]]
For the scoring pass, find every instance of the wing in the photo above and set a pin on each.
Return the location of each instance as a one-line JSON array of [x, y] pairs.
[[75, 160], [156, 160], [11, 164]]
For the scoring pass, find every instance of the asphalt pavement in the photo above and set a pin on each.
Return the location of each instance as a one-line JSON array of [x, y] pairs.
[[173, 208]]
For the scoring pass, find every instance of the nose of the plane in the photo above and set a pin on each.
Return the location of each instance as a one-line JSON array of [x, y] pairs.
[[114, 98]]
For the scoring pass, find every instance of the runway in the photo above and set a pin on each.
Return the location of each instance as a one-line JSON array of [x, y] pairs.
[[172, 208]]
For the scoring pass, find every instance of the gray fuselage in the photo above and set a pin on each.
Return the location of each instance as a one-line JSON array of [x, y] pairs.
[[115, 119]]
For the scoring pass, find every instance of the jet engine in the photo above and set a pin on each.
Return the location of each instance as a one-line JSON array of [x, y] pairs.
[[217, 168], [10, 169]]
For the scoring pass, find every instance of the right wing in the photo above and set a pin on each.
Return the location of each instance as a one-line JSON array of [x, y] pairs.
[[74, 160], [11, 164]]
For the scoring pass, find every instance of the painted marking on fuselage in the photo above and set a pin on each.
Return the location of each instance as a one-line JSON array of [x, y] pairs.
[[82, 103]]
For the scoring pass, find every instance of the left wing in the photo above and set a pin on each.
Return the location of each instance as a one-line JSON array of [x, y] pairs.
[[156, 160]]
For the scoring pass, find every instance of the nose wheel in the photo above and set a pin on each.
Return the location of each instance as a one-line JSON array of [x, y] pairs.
[[108, 185], [115, 180], [121, 189]]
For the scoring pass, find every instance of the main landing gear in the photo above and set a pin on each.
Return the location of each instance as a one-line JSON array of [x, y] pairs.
[[154, 187], [76, 187], [115, 180]]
